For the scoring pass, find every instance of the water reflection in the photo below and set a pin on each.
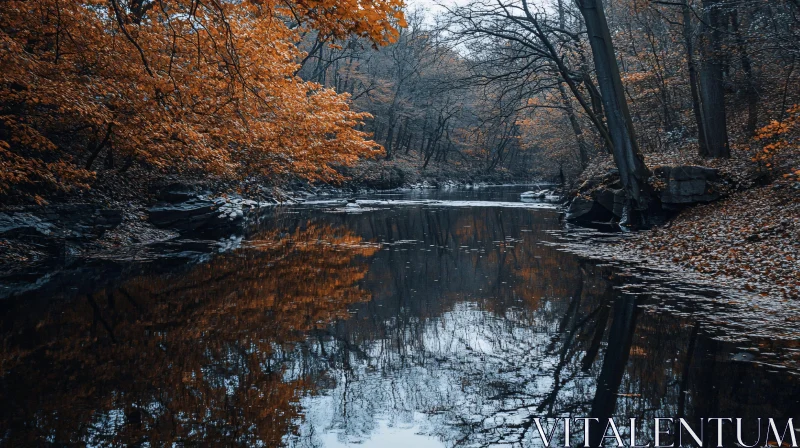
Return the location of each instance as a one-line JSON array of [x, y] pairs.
[[399, 326], [187, 356]]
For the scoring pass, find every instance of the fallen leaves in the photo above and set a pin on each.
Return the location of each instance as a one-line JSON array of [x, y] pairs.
[[751, 235]]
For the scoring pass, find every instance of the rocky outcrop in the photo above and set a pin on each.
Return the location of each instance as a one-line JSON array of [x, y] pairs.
[[80, 221], [175, 192], [16, 225], [582, 208], [68, 221], [598, 199], [687, 184], [54, 232], [202, 215], [602, 200]]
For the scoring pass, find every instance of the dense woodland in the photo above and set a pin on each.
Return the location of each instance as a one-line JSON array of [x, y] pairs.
[[150, 296], [261, 92]]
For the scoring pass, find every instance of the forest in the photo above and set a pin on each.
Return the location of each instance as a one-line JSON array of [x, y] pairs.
[[269, 91], [399, 223], [106, 101]]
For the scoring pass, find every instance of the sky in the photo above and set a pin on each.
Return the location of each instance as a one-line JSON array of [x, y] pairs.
[[433, 5]]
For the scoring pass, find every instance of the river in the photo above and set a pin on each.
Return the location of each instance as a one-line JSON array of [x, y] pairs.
[[419, 319]]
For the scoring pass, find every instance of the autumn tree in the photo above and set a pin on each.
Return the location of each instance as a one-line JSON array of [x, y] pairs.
[[177, 86], [627, 156]]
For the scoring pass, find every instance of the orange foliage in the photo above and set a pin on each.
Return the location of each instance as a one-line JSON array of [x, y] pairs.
[[553, 140], [373, 19], [179, 84], [201, 355], [780, 136]]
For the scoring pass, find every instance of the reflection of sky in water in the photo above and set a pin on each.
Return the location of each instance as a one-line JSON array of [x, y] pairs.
[[438, 318], [385, 433], [473, 358]]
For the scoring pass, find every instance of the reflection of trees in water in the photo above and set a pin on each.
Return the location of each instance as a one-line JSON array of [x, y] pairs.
[[478, 376], [473, 329], [548, 336], [479, 369], [181, 357]]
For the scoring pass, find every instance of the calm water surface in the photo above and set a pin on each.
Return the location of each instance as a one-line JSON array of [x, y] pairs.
[[426, 319]]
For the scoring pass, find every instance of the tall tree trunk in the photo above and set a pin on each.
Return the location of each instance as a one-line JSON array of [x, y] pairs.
[[401, 135], [711, 88], [409, 137], [751, 92], [389, 139], [627, 157], [583, 149], [562, 22], [696, 107]]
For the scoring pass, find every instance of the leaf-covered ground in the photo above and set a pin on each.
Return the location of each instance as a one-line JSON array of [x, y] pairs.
[[751, 238]]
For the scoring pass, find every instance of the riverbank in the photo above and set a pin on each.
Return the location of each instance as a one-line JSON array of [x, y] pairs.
[[746, 235], [117, 214], [746, 238], [750, 240]]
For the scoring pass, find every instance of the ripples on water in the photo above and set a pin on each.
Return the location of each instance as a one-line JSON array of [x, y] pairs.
[[414, 320]]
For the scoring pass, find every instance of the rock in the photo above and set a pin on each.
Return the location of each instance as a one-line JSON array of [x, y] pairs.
[[176, 192], [77, 221], [612, 200], [602, 199], [198, 215], [687, 184], [58, 230], [23, 224], [70, 221], [581, 210], [534, 194], [547, 196], [588, 184]]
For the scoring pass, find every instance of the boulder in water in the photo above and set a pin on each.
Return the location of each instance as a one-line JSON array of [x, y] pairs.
[[534, 194]]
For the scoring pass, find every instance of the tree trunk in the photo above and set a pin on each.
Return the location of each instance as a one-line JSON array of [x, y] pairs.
[[389, 139], [96, 147], [711, 88], [696, 107], [751, 92], [583, 149], [627, 157]]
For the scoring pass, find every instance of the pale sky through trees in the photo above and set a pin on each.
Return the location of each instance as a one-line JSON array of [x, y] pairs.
[[434, 6]]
